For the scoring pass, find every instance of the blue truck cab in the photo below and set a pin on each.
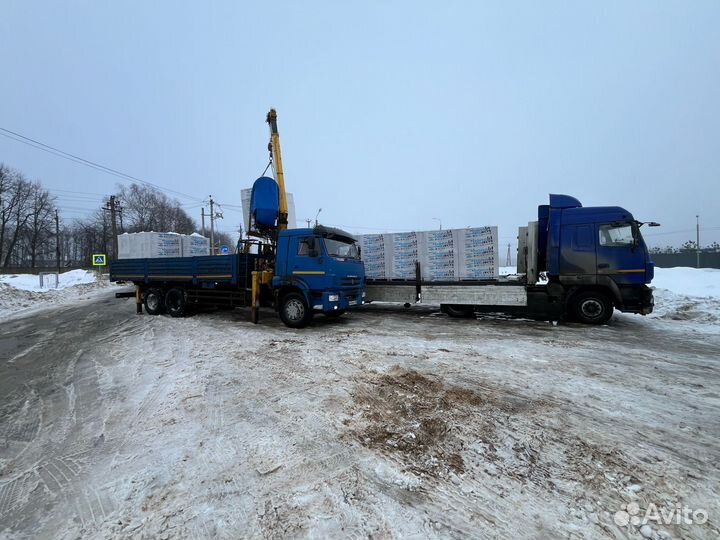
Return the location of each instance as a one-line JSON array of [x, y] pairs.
[[316, 270], [596, 257]]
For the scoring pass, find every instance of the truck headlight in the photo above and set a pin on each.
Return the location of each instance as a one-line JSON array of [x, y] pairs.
[[334, 297]]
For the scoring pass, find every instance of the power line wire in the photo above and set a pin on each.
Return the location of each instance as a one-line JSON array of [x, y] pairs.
[[82, 161], [77, 192]]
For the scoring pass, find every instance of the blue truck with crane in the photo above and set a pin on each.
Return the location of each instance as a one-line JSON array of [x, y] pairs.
[[574, 262], [297, 271]]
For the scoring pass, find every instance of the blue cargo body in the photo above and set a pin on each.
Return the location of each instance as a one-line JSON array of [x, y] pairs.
[[207, 271]]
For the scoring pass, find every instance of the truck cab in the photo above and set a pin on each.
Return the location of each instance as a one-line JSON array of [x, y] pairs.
[[317, 270], [597, 256]]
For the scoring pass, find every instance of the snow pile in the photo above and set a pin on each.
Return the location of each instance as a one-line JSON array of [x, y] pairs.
[[687, 294], [22, 292], [31, 282], [701, 282]]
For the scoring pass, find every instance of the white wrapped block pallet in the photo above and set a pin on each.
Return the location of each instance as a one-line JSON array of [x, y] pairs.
[[448, 255], [372, 249], [195, 245], [152, 245]]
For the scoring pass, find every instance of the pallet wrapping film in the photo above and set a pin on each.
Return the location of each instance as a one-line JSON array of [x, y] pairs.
[[151, 245], [372, 249], [405, 252], [444, 255], [195, 245]]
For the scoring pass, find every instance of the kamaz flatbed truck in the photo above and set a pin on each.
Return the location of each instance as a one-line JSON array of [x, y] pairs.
[[307, 271], [574, 262]]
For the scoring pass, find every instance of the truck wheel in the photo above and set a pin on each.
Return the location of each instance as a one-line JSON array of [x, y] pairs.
[[154, 302], [457, 311], [591, 307], [294, 311], [175, 302]]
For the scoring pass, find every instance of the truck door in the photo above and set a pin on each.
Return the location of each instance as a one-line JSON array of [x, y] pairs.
[[306, 261], [620, 254], [577, 250]]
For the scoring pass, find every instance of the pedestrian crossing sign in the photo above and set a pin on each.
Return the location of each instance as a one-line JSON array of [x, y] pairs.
[[99, 259]]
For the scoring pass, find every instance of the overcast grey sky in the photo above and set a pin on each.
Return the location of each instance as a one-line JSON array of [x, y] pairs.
[[390, 113]]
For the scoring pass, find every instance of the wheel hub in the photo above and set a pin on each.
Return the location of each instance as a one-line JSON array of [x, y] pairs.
[[294, 310], [591, 308]]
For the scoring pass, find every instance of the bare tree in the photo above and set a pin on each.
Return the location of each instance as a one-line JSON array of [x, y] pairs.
[[147, 209], [41, 224], [27, 225], [20, 196], [8, 179]]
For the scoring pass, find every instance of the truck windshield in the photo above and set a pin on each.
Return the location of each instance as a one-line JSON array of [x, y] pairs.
[[620, 234], [342, 248]]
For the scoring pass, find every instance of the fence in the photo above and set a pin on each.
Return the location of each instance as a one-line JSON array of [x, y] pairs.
[[708, 259]]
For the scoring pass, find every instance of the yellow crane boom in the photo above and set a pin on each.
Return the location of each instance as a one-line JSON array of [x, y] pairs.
[[276, 157]]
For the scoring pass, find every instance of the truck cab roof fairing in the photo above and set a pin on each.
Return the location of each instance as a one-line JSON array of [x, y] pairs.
[[332, 232], [563, 201]]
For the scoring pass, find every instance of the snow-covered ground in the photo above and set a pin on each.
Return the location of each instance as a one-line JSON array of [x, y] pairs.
[[31, 282], [388, 423], [21, 293], [688, 294]]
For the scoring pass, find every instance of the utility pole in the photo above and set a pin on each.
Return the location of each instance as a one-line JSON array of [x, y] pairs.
[[509, 259], [57, 242], [213, 216], [202, 217], [697, 239], [212, 227], [112, 203], [113, 207]]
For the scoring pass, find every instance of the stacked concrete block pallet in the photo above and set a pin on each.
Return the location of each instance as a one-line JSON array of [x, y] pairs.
[[446, 255]]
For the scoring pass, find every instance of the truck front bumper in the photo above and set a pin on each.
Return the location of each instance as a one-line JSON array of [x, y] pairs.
[[339, 300], [648, 301], [637, 300]]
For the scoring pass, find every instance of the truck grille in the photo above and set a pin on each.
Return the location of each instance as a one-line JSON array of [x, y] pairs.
[[349, 282]]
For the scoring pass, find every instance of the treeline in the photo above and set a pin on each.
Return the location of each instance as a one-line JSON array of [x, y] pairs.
[[28, 228], [689, 246], [27, 219]]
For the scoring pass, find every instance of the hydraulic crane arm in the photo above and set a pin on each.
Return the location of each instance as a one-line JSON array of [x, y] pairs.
[[276, 158]]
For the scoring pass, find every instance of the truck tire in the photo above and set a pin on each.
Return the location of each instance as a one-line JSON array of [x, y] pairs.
[[294, 310], [591, 307], [457, 311], [154, 302], [175, 302]]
